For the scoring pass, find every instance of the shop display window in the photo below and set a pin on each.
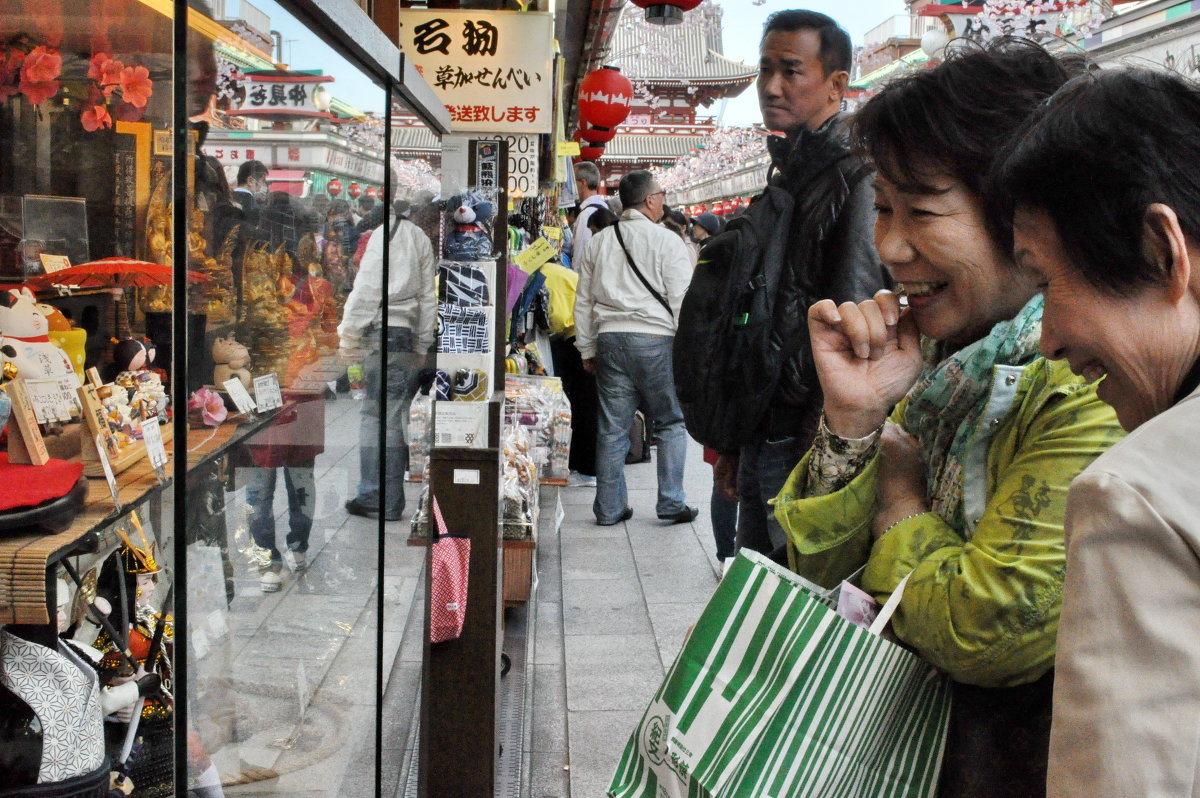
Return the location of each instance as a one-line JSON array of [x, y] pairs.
[[218, 302]]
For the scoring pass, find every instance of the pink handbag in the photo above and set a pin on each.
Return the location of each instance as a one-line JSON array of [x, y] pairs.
[[450, 566]]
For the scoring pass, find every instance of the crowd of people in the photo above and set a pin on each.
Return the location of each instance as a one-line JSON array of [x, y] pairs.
[[986, 394]]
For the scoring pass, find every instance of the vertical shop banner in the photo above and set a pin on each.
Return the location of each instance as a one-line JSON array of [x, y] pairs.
[[493, 70]]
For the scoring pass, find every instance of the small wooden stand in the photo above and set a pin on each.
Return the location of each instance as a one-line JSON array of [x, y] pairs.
[[25, 443], [129, 455]]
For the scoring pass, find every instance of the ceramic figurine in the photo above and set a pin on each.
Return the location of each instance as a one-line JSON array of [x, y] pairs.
[[25, 339], [231, 359]]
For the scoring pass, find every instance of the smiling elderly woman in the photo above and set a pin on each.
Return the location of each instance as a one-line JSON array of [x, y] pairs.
[[1106, 187], [966, 487]]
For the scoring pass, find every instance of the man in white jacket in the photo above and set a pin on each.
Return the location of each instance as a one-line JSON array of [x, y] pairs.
[[411, 331], [632, 278]]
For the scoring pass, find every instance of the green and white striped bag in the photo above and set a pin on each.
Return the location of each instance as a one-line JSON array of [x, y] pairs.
[[774, 695]]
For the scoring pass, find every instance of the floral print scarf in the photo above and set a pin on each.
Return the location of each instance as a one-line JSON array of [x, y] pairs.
[[945, 404]]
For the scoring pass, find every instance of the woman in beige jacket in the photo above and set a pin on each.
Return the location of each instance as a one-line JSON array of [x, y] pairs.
[[1106, 190]]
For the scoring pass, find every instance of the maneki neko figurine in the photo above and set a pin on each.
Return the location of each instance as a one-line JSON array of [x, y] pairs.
[[25, 339]]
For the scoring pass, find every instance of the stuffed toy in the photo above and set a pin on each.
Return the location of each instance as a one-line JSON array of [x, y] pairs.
[[231, 359], [470, 234]]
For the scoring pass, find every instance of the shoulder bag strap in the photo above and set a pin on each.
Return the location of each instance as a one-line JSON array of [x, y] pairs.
[[661, 300]]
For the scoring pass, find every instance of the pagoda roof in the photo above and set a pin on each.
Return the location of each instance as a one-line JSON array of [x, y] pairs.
[[689, 52], [650, 147]]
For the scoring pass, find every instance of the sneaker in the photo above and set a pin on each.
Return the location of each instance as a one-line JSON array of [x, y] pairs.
[[625, 515], [270, 580], [299, 561], [686, 515], [577, 480]]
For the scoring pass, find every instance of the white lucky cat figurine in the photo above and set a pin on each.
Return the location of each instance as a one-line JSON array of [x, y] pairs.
[[25, 340]]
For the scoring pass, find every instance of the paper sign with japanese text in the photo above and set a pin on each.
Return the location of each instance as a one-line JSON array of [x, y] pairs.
[[156, 452], [493, 70], [240, 396], [109, 476], [533, 256], [568, 148], [267, 393], [54, 263]]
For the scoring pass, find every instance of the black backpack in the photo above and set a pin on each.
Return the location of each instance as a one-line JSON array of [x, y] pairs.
[[725, 361]]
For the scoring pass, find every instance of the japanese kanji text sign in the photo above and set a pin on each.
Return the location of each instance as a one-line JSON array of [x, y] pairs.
[[492, 69]]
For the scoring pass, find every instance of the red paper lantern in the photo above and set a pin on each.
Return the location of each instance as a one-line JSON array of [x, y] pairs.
[[666, 12], [597, 135], [588, 151], [334, 187], [354, 191], [372, 192], [604, 98]]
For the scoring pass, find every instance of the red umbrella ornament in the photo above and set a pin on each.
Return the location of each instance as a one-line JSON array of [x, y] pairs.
[[117, 274]]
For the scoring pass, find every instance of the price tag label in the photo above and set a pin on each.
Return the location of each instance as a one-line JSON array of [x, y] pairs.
[[568, 148], [54, 263], [552, 233], [535, 255], [108, 472], [155, 451], [241, 397], [52, 398], [462, 424], [267, 393]]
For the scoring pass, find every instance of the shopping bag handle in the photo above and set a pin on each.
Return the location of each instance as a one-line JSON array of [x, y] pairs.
[[889, 607]]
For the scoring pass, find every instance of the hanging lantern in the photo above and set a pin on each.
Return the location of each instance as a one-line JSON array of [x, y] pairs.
[[372, 192], [588, 150], [334, 187], [604, 98], [597, 135], [666, 12], [354, 190]]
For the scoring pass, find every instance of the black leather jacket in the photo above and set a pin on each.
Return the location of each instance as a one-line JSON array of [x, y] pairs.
[[832, 255]]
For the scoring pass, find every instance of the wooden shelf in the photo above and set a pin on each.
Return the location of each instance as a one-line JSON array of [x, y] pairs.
[[25, 602]]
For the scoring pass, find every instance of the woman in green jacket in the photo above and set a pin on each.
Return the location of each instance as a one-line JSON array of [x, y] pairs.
[[965, 486]]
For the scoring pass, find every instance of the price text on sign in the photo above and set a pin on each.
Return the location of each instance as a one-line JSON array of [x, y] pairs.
[[535, 255], [239, 395], [522, 164], [155, 451], [266, 392]]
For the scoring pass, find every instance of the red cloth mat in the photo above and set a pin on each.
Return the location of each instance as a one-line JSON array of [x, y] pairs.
[[28, 486]]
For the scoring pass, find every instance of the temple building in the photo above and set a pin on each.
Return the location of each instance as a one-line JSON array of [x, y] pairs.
[[678, 72]]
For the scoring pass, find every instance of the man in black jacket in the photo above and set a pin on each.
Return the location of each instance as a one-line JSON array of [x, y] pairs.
[[803, 73]]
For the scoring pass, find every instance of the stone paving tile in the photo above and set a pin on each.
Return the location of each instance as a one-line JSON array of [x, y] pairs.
[[596, 559], [604, 607], [597, 741], [671, 579], [611, 671], [671, 622], [550, 776], [548, 637], [549, 723]]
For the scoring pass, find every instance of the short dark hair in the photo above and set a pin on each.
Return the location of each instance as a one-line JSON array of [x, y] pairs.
[[1095, 157], [250, 169], [366, 203], [635, 188], [601, 218], [836, 52], [588, 173], [957, 116]]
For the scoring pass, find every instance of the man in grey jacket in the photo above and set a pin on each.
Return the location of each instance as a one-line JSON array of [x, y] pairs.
[[803, 73], [632, 278]]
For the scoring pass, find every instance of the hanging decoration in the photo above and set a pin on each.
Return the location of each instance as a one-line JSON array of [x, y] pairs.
[[598, 135], [1041, 20], [722, 153], [604, 98], [666, 12], [354, 191], [588, 151], [372, 192], [334, 187]]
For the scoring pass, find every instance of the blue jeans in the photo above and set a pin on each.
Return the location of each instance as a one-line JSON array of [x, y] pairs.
[[763, 468], [260, 507], [631, 369], [392, 409]]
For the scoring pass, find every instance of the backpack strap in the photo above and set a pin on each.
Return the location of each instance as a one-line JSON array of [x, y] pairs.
[[661, 300]]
